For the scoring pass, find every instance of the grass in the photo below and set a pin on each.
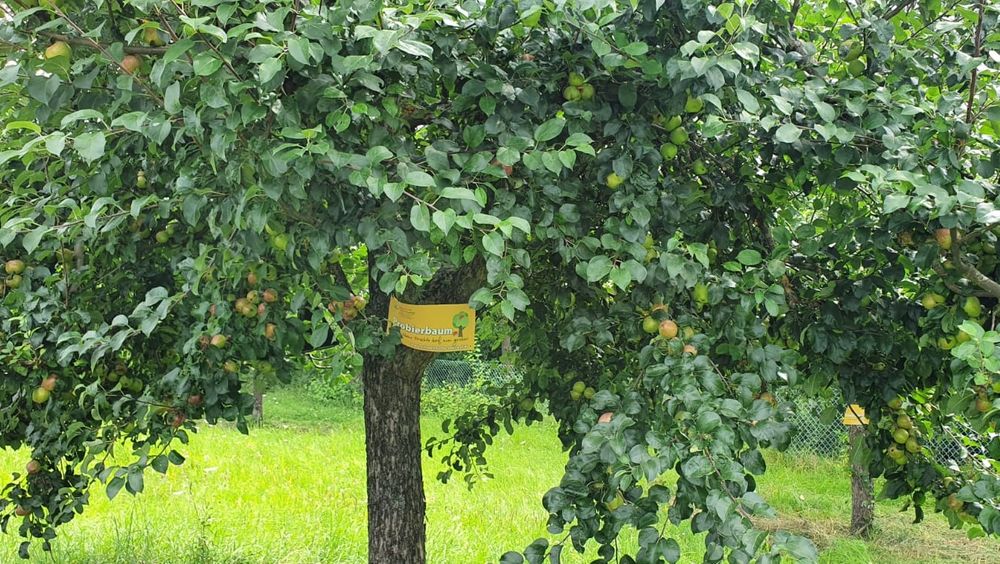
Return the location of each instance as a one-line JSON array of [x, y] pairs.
[[293, 492]]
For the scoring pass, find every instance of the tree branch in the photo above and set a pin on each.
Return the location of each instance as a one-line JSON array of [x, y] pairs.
[[897, 9], [971, 272], [91, 44], [974, 79]]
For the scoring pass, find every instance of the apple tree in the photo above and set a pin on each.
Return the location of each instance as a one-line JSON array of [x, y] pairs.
[[680, 207]]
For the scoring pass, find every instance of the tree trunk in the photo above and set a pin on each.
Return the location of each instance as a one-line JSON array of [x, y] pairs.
[[258, 406], [862, 489], [393, 446], [396, 504]]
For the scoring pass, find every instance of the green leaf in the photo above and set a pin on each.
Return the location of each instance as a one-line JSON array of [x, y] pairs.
[[549, 130], [90, 145], [749, 257], [206, 63], [298, 49], [269, 69], [33, 237], [493, 242], [419, 178], [420, 217], [171, 98], [598, 268], [895, 201], [788, 133]]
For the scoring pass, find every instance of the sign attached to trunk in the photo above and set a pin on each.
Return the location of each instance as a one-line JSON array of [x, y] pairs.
[[855, 415], [434, 328]]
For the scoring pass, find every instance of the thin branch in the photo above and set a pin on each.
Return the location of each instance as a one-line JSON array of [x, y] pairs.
[[90, 43], [974, 79], [897, 9]]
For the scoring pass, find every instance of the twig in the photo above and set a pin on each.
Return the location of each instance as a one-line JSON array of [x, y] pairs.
[[974, 79]]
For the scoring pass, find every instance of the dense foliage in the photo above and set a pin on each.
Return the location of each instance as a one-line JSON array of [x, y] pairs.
[[680, 206]]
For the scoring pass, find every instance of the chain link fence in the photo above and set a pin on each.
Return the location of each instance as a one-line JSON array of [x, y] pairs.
[[813, 435], [463, 373]]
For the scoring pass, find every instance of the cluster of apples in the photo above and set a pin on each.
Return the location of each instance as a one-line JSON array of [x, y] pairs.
[[349, 308], [972, 308], [578, 88], [678, 136], [657, 323], [44, 390], [904, 434], [14, 270], [581, 390]]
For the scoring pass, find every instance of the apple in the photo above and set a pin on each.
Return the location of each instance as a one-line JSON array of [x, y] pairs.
[[178, 420], [131, 63], [152, 37], [571, 93], [270, 295], [693, 105], [650, 325], [576, 79], [252, 278], [575, 395], [856, 67], [252, 297], [211, 310], [930, 301], [962, 337], [280, 242], [605, 417], [668, 329], [699, 167], [668, 151], [943, 238], [900, 436], [613, 181], [270, 331], [58, 49], [690, 349], [588, 393], [204, 341], [360, 302], [912, 446], [33, 467], [22, 511], [162, 236], [527, 404], [679, 136], [672, 123], [904, 421], [579, 386], [14, 282], [700, 293], [895, 403], [50, 382], [587, 92], [140, 180], [906, 238], [230, 366], [219, 341], [983, 405], [261, 310], [195, 400], [972, 307], [40, 395], [946, 343], [768, 397], [14, 266]]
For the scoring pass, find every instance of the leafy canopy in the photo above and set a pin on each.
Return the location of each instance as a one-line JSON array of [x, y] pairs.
[[188, 187]]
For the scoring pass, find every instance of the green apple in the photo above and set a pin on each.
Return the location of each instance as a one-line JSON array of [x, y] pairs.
[[972, 307], [699, 167], [587, 92], [668, 151], [613, 181], [576, 79], [693, 105], [649, 325], [571, 93], [672, 123], [700, 293], [900, 436], [14, 266], [943, 238], [679, 136]]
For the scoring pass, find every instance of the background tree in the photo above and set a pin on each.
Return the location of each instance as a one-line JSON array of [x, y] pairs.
[[683, 207]]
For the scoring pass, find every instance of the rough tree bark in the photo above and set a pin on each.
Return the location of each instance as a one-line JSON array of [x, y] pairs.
[[862, 489], [396, 505]]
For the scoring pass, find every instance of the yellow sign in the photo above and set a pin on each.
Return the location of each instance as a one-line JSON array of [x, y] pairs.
[[434, 328], [855, 415]]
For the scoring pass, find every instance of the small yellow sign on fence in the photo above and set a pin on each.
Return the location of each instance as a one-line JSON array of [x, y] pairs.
[[434, 328], [855, 415]]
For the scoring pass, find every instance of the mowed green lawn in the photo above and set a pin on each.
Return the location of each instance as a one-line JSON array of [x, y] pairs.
[[293, 492]]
